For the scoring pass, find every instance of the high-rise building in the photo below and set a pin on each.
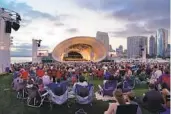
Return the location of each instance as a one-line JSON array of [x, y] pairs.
[[119, 51], [121, 48], [125, 51], [135, 44], [162, 41], [104, 38], [152, 46], [168, 51]]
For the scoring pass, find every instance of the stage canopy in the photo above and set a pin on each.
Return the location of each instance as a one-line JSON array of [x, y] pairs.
[[80, 48]]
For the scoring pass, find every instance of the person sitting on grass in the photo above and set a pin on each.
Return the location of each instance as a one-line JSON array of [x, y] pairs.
[[119, 101]]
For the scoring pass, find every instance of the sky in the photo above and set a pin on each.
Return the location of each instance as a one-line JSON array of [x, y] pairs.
[[53, 21]]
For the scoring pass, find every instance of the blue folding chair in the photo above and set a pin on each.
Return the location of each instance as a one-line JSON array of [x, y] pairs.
[[109, 87], [84, 98]]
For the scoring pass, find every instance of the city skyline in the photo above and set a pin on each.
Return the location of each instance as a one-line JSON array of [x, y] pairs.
[[120, 19]]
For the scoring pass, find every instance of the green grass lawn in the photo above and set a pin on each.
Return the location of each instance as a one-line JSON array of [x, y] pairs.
[[9, 104]]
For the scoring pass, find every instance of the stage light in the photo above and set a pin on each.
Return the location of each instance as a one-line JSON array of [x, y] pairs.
[[38, 43], [13, 21], [8, 27]]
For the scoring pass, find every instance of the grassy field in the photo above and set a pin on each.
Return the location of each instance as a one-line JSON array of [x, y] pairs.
[[9, 104]]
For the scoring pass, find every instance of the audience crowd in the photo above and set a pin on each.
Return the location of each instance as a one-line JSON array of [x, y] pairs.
[[155, 75]]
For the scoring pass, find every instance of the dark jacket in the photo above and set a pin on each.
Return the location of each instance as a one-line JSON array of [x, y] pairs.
[[153, 100]]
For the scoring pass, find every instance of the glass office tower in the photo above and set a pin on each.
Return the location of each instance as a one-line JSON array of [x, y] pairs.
[[162, 41]]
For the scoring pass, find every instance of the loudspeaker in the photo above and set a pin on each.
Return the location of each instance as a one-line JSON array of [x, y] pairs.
[[7, 27], [15, 26], [38, 44]]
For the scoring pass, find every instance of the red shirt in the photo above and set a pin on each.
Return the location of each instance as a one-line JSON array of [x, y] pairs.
[[100, 73], [24, 75], [40, 73]]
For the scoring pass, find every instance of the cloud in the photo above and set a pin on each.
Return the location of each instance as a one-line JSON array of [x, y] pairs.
[[72, 30], [137, 9], [149, 11], [153, 13], [55, 23], [37, 14], [28, 13], [23, 49], [159, 23], [132, 29], [101, 4]]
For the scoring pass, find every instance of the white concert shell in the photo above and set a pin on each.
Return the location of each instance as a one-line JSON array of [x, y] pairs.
[[98, 49]]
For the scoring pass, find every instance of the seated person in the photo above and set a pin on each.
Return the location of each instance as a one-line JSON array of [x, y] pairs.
[[107, 84], [166, 96], [41, 86], [152, 100], [156, 74], [117, 76], [16, 74], [167, 105], [58, 89], [83, 83], [46, 79], [30, 83], [74, 78], [165, 92], [165, 78], [119, 101], [107, 75], [131, 99], [24, 75], [16, 83]]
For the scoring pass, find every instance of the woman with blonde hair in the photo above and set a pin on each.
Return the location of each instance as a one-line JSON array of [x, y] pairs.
[[119, 101]]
